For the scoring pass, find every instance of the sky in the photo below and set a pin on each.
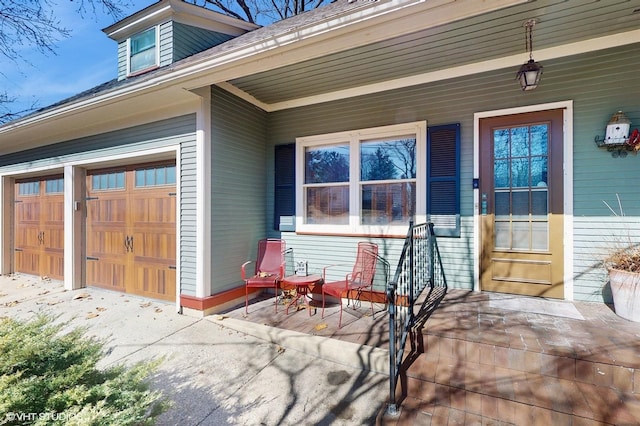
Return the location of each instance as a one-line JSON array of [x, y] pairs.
[[84, 60]]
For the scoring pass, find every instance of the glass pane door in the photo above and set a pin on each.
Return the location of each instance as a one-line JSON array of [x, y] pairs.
[[521, 196]]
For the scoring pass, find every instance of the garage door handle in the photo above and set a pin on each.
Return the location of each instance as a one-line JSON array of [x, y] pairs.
[[128, 243], [92, 258]]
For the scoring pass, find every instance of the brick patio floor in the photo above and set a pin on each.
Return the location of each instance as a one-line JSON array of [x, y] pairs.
[[493, 359]]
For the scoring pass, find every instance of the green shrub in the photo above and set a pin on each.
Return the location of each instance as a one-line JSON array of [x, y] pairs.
[[48, 376]]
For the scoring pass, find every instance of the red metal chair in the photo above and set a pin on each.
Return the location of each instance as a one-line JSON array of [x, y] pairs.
[[360, 278], [269, 268]]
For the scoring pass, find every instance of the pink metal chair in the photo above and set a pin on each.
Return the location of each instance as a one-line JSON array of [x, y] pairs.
[[269, 268], [359, 280]]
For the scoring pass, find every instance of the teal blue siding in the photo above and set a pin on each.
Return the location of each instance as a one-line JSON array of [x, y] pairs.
[[153, 135], [166, 44], [122, 60], [239, 188], [189, 40], [599, 83], [596, 237], [188, 222]]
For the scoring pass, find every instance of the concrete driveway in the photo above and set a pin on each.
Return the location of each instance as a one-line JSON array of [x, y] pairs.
[[218, 370]]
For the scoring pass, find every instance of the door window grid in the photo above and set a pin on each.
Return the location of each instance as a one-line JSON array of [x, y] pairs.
[[29, 188], [108, 181], [520, 187], [155, 176], [54, 186]]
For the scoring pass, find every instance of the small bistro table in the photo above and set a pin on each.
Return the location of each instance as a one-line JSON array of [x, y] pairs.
[[301, 283]]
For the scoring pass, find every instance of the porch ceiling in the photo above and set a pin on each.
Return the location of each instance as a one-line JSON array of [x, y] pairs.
[[465, 42]]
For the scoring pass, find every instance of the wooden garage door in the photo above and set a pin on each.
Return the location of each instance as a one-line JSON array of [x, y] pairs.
[[131, 230], [39, 227]]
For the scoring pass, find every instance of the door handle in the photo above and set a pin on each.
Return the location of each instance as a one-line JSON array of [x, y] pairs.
[[128, 243], [41, 237]]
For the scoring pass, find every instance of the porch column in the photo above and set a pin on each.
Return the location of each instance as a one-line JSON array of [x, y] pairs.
[[74, 227], [203, 193], [6, 230]]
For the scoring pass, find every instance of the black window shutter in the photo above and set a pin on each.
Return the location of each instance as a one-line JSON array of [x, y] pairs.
[[443, 179], [285, 183]]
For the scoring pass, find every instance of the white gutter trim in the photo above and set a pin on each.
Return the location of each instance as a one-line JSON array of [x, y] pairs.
[[139, 21]]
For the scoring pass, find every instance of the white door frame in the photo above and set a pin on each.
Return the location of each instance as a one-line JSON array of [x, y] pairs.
[[567, 144]]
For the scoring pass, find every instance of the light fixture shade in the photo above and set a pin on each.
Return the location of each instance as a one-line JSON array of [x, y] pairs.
[[529, 75]]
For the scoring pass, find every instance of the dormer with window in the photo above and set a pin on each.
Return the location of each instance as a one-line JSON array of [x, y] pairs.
[[167, 32]]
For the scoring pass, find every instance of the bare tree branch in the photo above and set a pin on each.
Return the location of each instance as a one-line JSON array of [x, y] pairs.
[[32, 24], [253, 10], [6, 114]]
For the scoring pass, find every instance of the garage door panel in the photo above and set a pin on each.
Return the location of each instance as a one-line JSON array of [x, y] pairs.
[[106, 273], [155, 244], [27, 238], [153, 208], [133, 225], [105, 241], [39, 227], [108, 211], [157, 282], [53, 261], [28, 262]]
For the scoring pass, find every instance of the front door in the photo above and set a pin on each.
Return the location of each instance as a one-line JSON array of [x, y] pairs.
[[521, 204]]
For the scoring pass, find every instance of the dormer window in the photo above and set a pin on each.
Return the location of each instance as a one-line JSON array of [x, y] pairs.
[[142, 51]]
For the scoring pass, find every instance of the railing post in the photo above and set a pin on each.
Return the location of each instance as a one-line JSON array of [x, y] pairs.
[[432, 255], [411, 271], [392, 408]]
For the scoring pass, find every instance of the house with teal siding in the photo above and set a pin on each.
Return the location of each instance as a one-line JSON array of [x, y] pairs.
[[339, 125]]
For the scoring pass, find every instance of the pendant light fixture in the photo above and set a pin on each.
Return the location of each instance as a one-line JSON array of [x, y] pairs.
[[530, 72]]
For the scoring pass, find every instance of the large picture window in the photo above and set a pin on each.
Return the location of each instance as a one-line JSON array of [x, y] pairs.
[[363, 181]]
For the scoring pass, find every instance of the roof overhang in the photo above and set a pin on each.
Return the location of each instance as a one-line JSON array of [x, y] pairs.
[[456, 38]]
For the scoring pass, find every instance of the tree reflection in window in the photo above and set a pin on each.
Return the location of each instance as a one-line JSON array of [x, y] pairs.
[[392, 164], [327, 164], [520, 177], [327, 177]]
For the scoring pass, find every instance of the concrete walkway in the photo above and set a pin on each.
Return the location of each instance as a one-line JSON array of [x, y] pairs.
[[218, 370]]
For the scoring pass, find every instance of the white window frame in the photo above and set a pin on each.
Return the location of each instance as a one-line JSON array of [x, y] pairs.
[[353, 138], [157, 51]]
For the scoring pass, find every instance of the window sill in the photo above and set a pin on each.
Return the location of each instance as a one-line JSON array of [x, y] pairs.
[[390, 231], [143, 71]]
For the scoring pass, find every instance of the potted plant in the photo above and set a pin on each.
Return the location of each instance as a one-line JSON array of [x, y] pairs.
[[623, 265], [624, 278]]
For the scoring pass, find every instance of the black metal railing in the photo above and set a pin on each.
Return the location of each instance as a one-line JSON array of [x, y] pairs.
[[419, 267]]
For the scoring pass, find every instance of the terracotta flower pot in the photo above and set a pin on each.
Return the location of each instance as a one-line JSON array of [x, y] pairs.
[[625, 288]]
